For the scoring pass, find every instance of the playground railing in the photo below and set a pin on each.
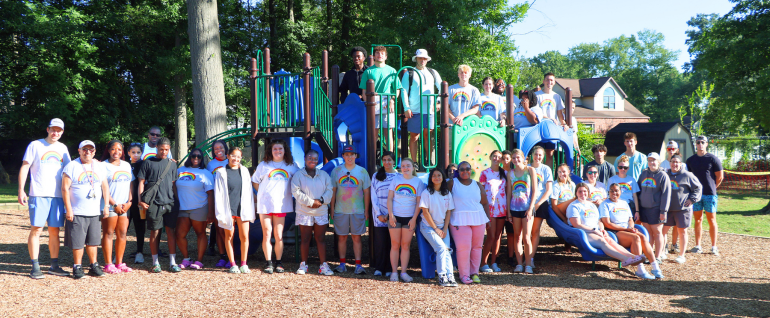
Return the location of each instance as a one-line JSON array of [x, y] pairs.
[[279, 100], [324, 121], [227, 136]]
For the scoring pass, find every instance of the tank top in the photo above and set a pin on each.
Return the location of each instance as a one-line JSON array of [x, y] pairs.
[[468, 210], [520, 190]]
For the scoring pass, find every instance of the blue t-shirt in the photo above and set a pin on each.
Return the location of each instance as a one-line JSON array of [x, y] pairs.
[[618, 212], [585, 212], [628, 187], [492, 106], [191, 187], [637, 162], [462, 99]]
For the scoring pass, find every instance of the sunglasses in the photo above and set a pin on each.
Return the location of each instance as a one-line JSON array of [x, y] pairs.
[[700, 142], [592, 172], [670, 149], [623, 167], [88, 149], [154, 135], [196, 156], [464, 169]]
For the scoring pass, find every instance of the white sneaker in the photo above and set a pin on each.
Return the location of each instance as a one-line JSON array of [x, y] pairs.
[[302, 269], [139, 258], [680, 259], [697, 250], [663, 256], [714, 251], [325, 270]]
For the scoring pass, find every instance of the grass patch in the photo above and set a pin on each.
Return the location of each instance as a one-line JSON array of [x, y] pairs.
[[9, 193], [739, 213]]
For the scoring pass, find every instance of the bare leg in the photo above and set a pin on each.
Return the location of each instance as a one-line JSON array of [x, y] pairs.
[[682, 240], [120, 242], [342, 245], [698, 228], [200, 234], [395, 245], [518, 227], [526, 230], [488, 242], [536, 224], [498, 236], [713, 227], [182, 228], [304, 249], [228, 238], [53, 241], [406, 241], [77, 256], [267, 234], [108, 230], [33, 241], [357, 246], [171, 236], [278, 222], [320, 233], [243, 231], [91, 252]]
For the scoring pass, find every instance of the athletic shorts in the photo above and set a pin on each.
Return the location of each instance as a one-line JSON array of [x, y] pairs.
[[650, 216], [113, 213], [278, 214], [707, 203], [542, 211], [309, 220], [46, 209], [519, 214], [159, 216], [387, 121], [679, 218], [349, 224], [413, 124], [200, 214], [402, 222], [83, 231]]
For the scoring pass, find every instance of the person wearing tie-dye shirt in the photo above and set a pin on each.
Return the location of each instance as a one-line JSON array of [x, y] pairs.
[[494, 181], [464, 98], [521, 188], [349, 206]]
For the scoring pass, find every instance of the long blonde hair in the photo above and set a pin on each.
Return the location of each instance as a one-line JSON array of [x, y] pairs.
[[558, 178]]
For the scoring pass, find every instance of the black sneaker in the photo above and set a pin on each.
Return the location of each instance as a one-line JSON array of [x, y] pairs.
[[36, 274], [95, 271], [77, 272], [279, 267], [268, 268], [58, 271]]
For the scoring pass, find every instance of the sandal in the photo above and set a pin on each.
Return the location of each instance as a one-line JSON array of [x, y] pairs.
[[196, 265], [111, 269], [185, 264], [124, 268]]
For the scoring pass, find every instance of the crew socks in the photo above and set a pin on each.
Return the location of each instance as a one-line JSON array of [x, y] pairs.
[[640, 270], [35, 265], [342, 262], [155, 259], [655, 266], [358, 262], [55, 263], [172, 259], [243, 263], [232, 264]]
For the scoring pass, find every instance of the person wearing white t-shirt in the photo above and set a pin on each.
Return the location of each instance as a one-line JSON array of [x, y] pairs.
[[553, 108], [598, 192], [151, 146], [44, 158], [379, 197], [272, 181], [437, 204], [420, 119], [84, 183], [463, 97], [492, 104], [120, 179], [403, 210]]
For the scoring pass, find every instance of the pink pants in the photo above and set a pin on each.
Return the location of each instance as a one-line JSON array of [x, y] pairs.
[[468, 241]]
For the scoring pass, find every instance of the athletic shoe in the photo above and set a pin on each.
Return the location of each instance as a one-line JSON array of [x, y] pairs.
[[387, 274], [222, 263], [714, 251], [175, 268], [268, 268], [645, 275], [697, 250], [156, 268], [680, 259], [657, 273], [302, 269], [485, 269], [325, 270], [234, 270], [196, 265], [663, 256], [279, 267], [475, 278], [95, 271], [36, 274], [674, 249], [393, 277], [77, 272], [497, 269], [633, 260], [360, 270], [185, 264], [124, 268], [452, 281], [340, 268], [518, 269], [443, 281], [245, 269], [406, 278], [139, 258], [111, 269], [377, 273], [466, 280], [528, 270], [58, 271]]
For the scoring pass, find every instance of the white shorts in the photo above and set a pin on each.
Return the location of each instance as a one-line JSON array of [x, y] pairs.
[[307, 220]]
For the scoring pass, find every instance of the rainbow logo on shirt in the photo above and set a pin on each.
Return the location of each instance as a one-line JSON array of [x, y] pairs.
[[597, 195], [278, 174], [539, 178], [565, 195], [186, 176], [547, 103], [649, 183], [674, 185], [148, 155], [519, 114], [86, 176], [591, 211], [621, 209], [216, 169], [121, 176], [459, 96], [406, 189], [519, 185], [488, 105], [625, 187], [51, 157], [348, 181]]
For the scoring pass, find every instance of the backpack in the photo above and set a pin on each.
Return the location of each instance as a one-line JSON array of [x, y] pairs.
[[411, 77]]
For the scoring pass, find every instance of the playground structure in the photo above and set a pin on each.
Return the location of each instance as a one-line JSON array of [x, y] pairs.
[[303, 107]]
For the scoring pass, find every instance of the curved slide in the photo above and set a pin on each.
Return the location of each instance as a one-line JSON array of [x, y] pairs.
[[352, 113]]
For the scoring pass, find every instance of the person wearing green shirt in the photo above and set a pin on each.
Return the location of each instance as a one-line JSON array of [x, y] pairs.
[[385, 82]]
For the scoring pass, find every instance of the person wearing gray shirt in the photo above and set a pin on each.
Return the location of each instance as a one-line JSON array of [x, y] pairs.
[[654, 200], [686, 189]]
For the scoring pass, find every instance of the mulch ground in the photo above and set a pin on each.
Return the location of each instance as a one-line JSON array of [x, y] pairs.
[[737, 283]]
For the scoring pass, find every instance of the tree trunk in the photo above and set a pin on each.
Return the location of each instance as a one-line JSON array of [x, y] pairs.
[[345, 33], [329, 29], [180, 106], [291, 10], [766, 209], [206, 55]]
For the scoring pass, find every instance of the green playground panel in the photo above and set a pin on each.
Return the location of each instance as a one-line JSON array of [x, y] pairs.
[[475, 140]]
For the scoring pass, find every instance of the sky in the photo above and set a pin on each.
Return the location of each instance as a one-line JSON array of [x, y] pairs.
[[561, 24]]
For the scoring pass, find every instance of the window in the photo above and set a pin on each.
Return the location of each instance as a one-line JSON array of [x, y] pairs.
[[609, 98]]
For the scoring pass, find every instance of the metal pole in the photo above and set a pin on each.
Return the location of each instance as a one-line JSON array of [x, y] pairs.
[[267, 81], [446, 129], [568, 106], [370, 60], [335, 98], [371, 161], [254, 111], [325, 71], [306, 103], [510, 131]]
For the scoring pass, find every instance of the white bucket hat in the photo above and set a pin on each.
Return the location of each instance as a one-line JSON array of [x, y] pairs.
[[421, 53]]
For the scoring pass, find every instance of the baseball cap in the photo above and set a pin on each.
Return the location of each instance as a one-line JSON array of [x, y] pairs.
[[349, 148], [421, 53], [86, 143], [673, 144], [702, 138], [654, 155], [56, 122]]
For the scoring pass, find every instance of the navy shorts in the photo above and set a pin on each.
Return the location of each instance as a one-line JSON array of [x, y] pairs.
[[413, 124]]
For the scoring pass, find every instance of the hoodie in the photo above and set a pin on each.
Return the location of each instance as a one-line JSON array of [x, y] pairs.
[[684, 185], [307, 189], [655, 190]]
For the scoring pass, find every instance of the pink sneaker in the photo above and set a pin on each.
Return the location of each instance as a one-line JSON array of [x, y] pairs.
[[196, 265], [185, 264], [466, 280], [123, 268], [111, 269]]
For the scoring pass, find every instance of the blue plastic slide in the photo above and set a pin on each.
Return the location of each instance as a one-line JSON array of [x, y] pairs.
[[577, 238]]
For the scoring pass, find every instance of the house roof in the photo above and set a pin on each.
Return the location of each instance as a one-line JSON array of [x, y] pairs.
[[650, 136], [587, 86], [629, 111]]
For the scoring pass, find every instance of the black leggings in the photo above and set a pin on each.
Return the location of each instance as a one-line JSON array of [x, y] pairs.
[[139, 226], [381, 251]]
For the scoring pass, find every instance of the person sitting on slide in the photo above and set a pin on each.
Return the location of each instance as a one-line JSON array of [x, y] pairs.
[[563, 192], [597, 191], [583, 215], [616, 217]]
